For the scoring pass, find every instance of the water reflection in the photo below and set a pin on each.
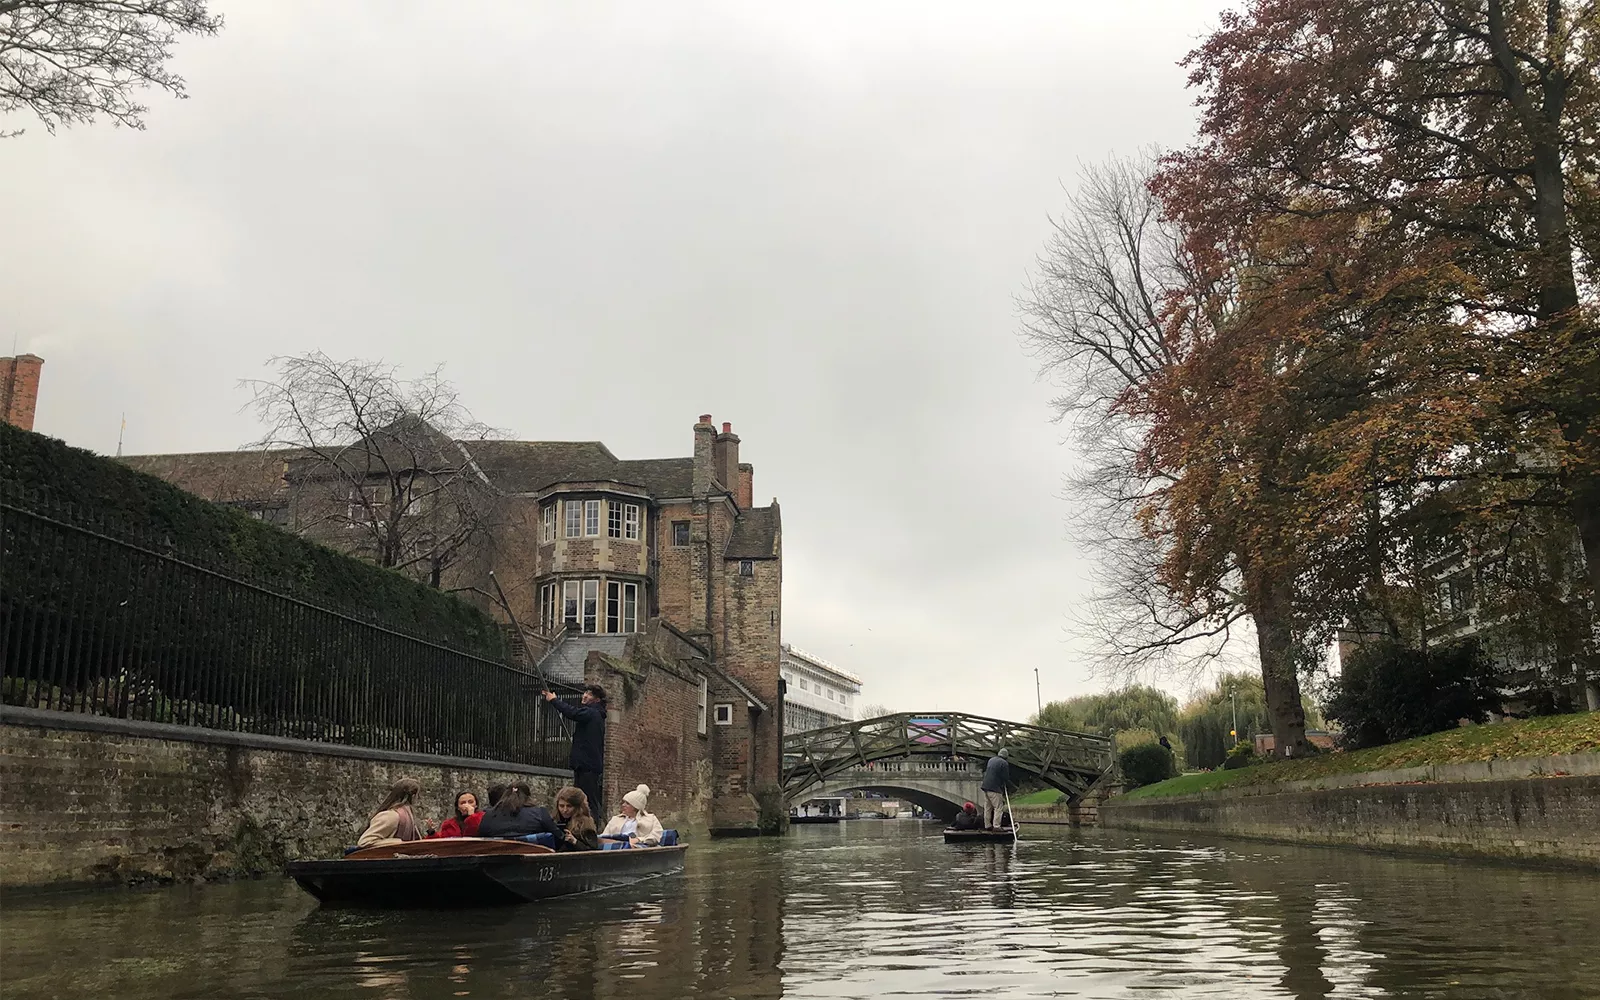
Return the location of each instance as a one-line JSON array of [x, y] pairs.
[[863, 910]]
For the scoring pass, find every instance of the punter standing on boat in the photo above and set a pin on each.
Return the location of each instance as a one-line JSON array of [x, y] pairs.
[[588, 740], [996, 775]]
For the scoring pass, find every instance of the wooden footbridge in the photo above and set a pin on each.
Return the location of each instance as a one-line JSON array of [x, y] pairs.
[[849, 755]]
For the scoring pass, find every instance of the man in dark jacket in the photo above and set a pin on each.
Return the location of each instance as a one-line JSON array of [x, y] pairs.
[[588, 740], [996, 775]]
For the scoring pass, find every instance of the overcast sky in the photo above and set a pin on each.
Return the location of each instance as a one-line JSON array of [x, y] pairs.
[[811, 220]]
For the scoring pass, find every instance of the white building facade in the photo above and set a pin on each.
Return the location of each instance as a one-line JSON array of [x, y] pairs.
[[816, 693]]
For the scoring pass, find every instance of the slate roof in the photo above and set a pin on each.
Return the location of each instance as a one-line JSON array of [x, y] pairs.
[[756, 534], [220, 475], [512, 466]]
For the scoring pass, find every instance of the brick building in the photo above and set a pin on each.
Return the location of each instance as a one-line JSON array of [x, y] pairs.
[[658, 578], [19, 389]]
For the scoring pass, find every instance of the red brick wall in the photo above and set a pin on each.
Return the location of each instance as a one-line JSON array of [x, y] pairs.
[[19, 389], [753, 613], [744, 490], [652, 728]]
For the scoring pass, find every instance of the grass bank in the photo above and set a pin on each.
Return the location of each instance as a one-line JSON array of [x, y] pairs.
[[1550, 736]]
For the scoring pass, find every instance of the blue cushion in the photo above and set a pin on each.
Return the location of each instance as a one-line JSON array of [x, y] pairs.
[[669, 838], [615, 845], [614, 836], [542, 839]]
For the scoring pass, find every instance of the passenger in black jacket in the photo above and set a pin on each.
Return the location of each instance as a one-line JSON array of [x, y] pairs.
[[515, 815], [588, 740]]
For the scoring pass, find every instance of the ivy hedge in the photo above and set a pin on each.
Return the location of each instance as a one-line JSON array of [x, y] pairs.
[[45, 474]]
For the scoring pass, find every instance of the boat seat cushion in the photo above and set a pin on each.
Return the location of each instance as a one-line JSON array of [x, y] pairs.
[[669, 838], [615, 845], [542, 839]]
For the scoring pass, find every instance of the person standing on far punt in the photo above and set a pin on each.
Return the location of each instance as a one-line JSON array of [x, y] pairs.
[[996, 775], [588, 740]]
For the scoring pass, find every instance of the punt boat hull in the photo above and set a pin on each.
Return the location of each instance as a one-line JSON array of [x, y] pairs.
[[980, 836], [423, 874]]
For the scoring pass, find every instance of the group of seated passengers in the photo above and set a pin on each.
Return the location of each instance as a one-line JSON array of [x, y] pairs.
[[968, 819], [513, 812]]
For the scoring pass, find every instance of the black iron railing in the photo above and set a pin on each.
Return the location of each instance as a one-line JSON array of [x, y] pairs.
[[99, 620]]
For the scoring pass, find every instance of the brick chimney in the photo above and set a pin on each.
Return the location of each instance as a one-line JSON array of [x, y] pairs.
[[728, 459], [744, 493], [19, 389], [705, 459]]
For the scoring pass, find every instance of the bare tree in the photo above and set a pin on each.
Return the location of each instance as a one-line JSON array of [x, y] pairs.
[[72, 61], [379, 464], [1096, 319]]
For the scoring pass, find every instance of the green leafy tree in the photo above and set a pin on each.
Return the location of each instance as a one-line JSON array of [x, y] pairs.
[[1387, 692], [1136, 706]]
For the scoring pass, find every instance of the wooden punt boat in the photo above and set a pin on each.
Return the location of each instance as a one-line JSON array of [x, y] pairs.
[[470, 871], [814, 819], [980, 836]]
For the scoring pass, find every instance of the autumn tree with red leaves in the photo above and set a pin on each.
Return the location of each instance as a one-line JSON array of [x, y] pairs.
[[1410, 190]]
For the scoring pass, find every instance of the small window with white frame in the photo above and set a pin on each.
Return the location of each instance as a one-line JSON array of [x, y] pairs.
[[591, 518], [574, 518], [724, 716], [701, 714], [613, 519], [630, 522], [550, 522]]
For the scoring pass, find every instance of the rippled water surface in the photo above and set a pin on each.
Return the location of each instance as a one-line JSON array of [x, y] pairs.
[[863, 910]]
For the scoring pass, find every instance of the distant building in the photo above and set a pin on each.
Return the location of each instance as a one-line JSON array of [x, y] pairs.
[[816, 693], [19, 389], [659, 578]]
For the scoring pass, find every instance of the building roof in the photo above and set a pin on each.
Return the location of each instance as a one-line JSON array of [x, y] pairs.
[[220, 475], [530, 466], [756, 535], [819, 663]]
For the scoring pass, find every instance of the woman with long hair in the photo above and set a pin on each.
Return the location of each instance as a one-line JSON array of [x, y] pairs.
[[466, 819], [578, 832], [393, 823], [516, 815]]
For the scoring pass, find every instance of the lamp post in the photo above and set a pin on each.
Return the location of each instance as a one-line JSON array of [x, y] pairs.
[[1233, 700], [1038, 700]]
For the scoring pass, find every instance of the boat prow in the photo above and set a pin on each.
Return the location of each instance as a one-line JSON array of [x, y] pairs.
[[470, 871]]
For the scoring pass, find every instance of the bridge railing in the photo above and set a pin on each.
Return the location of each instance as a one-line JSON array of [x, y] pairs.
[[1067, 760]]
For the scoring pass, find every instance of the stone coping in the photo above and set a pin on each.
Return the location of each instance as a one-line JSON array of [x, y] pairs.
[[1505, 769], [17, 715]]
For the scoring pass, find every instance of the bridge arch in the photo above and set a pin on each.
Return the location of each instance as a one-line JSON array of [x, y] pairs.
[[934, 800], [937, 786], [1067, 761]]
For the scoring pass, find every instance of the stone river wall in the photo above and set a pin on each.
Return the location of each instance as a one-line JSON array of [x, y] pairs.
[[1538, 809], [89, 800]]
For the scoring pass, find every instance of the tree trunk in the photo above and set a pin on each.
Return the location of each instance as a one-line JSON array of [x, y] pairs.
[[1271, 608]]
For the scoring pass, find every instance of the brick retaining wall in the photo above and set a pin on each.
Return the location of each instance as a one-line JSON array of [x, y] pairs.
[[82, 802], [1555, 818]]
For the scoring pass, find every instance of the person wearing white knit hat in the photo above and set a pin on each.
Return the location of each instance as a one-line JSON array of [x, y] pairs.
[[635, 823]]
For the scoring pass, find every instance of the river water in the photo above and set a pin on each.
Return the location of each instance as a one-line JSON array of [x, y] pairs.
[[864, 909]]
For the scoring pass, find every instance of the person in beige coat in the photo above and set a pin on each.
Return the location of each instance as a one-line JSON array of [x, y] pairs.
[[393, 822], [640, 827]]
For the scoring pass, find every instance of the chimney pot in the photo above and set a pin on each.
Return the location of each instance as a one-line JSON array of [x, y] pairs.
[[727, 428], [705, 418]]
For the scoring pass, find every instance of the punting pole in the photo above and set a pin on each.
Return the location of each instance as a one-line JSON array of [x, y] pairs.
[[1015, 823]]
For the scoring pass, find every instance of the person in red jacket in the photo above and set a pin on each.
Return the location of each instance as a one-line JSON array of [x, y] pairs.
[[465, 822]]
